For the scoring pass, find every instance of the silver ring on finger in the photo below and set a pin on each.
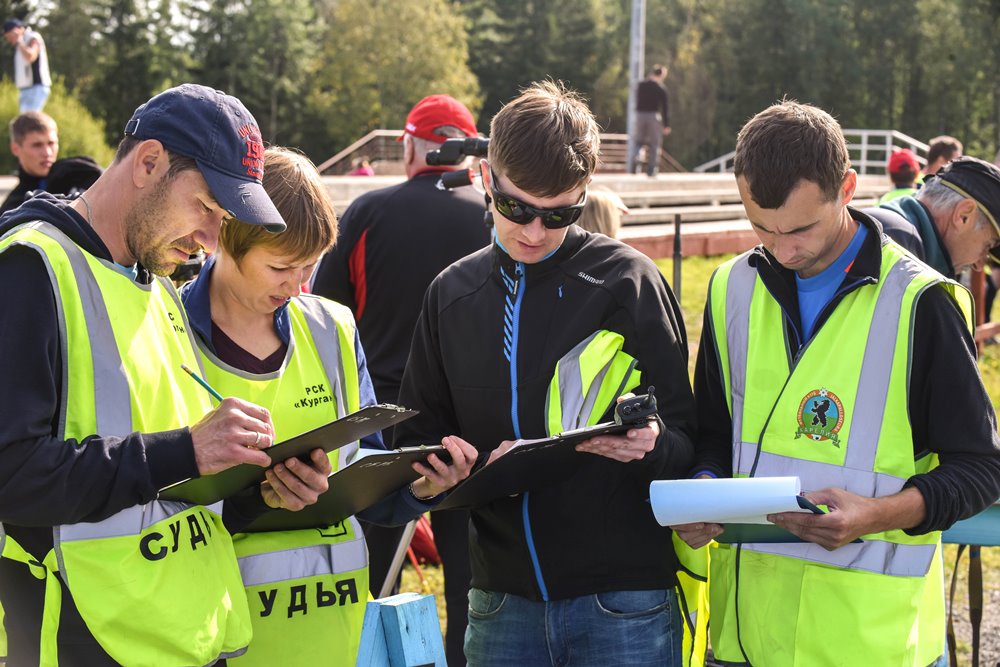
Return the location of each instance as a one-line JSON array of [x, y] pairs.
[[256, 440]]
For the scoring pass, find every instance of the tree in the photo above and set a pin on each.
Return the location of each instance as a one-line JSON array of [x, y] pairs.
[[516, 42], [379, 58], [260, 51], [125, 77], [70, 39]]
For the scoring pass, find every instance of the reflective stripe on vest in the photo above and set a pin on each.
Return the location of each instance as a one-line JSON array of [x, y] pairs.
[[587, 381], [308, 561], [857, 473], [321, 350], [129, 522], [102, 563], [111, 396], [326, 336], [278, 567]]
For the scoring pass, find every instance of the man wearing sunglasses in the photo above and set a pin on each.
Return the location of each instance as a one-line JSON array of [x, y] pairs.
[[578, 570], [949, 223]]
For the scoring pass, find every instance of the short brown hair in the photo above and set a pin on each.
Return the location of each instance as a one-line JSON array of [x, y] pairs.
[[545, 140], [28, 122], [295, 187], [943, 147], [786, 143]]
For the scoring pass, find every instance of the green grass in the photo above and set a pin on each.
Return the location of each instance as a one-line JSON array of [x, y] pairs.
[[695, 274]]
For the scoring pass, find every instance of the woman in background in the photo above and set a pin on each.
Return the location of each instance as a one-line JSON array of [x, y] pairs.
[[603, 212]]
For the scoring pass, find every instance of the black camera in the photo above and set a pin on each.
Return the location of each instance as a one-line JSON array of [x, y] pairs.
[[636, 410], [453, 151]]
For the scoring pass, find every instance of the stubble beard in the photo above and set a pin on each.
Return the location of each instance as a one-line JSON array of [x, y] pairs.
[[142, 236]]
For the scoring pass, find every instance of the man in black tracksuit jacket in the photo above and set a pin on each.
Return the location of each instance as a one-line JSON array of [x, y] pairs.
[[492, 328]]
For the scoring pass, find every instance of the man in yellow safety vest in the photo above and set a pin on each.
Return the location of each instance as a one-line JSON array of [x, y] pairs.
[[830, 354], [99, 415]]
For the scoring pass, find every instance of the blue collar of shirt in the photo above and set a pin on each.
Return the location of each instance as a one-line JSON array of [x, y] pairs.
[[835, 272], [197, 303]]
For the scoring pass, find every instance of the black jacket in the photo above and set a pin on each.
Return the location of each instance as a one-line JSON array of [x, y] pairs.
[[25, 183], [651, 97], [950, 412], [593, 531], [392, 243], [45, 481]]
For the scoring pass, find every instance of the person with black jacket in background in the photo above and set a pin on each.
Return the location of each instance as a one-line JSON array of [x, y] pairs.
[[652, 120], [34, 141], [392, 243], [586, 550]]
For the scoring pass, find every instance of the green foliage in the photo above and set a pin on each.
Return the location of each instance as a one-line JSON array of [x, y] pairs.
[[379, 58], [68, 32], [581, 42], [124, 77], [872, 63], [79, 132], [319, 74], [260, 51]]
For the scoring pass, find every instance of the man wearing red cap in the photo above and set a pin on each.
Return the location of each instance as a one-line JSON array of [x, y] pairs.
[[392, 243], [903, 170]]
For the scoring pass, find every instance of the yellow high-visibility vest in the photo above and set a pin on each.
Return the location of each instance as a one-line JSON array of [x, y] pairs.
[[305, 588], [156, 584], [834, 414]]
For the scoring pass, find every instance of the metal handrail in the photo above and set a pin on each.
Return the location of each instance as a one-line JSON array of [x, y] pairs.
[[617, 143], [357, 145], [866, 144]]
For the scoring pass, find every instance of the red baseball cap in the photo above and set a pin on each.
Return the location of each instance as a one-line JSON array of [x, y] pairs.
[[903, 160], [437, 111]]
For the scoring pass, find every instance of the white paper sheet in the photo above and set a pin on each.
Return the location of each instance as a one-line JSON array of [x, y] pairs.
[[737, 500]]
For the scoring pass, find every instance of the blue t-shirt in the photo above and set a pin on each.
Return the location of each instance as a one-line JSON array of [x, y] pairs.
[[817, 291]]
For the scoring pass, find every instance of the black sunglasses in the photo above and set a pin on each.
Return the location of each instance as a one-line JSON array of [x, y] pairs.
[[518, 212]]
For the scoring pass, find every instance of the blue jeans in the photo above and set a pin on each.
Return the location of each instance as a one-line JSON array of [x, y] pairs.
[[616, 628], [33, 98]]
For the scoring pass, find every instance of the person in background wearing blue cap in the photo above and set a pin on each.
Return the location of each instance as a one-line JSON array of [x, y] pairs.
[[31, 65], [98, 415]]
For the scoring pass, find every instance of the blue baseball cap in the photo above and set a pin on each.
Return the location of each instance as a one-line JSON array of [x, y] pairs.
[[222, 137]]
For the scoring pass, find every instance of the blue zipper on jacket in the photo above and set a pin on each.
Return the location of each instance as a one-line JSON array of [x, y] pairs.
[[512, 318]]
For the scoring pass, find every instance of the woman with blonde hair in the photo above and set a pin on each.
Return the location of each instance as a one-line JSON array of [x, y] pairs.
[[603, 212]]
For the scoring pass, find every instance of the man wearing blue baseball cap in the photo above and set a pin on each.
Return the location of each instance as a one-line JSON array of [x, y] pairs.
[[95, 570]]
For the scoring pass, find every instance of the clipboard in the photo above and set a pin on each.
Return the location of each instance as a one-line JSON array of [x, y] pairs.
[[213, 488], [353, 489], [530, 465], [765, 533]]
